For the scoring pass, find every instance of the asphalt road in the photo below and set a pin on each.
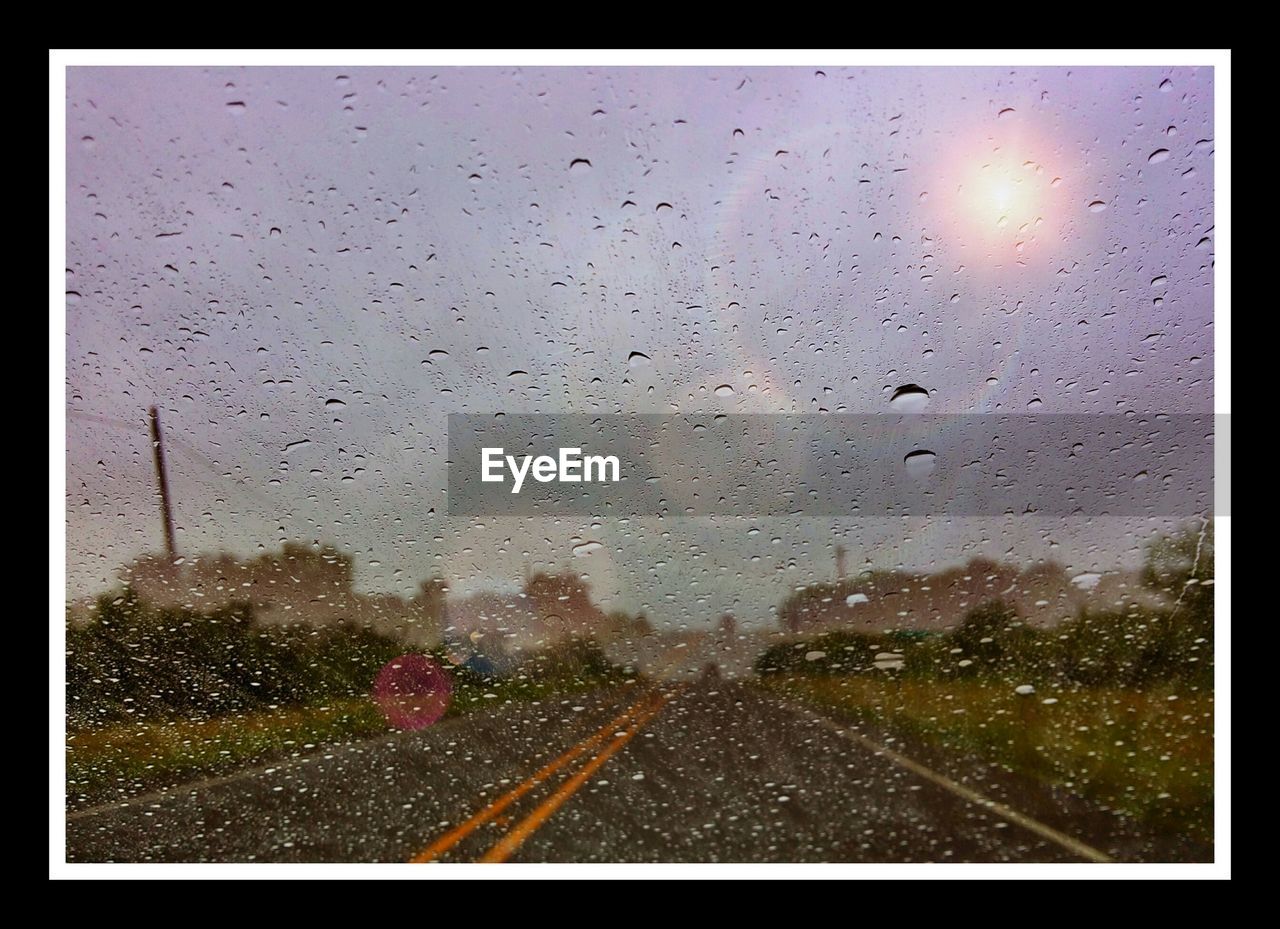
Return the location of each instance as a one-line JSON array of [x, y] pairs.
[[708, 771]]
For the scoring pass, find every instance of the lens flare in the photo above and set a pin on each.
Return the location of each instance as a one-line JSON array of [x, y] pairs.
[[412, 691]]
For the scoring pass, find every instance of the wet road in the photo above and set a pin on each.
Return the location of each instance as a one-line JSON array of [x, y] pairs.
[[710, 771]]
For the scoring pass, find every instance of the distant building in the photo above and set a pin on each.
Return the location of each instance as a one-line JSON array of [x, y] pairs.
[[1043, 595], [312, 584]]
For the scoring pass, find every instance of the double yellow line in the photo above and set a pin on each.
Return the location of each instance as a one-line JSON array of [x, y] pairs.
[[629, 722]]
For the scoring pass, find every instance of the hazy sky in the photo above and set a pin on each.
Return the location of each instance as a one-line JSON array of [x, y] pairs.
[[340, 258]]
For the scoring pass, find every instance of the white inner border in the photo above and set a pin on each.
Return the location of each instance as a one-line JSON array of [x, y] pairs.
[[60, 59]]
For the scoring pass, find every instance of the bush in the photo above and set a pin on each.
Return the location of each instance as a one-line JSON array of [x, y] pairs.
[[133, 661], [837, 652]]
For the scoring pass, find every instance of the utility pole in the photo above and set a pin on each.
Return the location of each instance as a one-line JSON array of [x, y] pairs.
[[162, 478], [839, 562]]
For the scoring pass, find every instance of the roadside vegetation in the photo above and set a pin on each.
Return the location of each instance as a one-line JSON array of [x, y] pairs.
[[156, 697], [1115, 706]]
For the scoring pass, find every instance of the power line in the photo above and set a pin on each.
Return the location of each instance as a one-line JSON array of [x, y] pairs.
[[198, 457], [106, 420], [186, 449]]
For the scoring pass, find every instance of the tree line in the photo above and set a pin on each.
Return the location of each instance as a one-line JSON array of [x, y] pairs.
[[1130, 645]]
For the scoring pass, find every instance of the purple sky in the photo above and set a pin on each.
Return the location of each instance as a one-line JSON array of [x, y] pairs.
[[247, 246]]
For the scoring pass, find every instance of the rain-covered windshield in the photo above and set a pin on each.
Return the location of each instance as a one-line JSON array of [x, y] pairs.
[[813, 587]]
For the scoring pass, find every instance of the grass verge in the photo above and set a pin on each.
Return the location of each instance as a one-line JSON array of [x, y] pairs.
[[1147, 754], [124, 760]]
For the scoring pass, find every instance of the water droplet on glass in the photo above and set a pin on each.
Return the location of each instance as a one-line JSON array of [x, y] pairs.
[[1087, 581], [909, 398], [920, 463]]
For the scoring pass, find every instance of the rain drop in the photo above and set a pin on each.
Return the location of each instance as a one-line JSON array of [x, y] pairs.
[[909, 398], [920, 463]]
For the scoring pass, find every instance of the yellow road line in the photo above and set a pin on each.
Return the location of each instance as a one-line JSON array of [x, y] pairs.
[[461, 831], [1075, 846], [530, 824]]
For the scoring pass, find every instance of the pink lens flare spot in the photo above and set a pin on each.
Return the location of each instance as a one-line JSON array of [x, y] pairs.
[[412, 691]]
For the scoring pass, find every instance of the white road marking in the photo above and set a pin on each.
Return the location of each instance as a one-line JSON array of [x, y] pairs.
[[1075, 846]]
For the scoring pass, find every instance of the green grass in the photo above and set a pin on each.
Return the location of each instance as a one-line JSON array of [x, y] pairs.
[[1148, 754], [122, 760]]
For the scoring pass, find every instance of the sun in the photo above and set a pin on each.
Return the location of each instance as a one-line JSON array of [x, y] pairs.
[[1001, 193], [1002, 203], [1004, 197]]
